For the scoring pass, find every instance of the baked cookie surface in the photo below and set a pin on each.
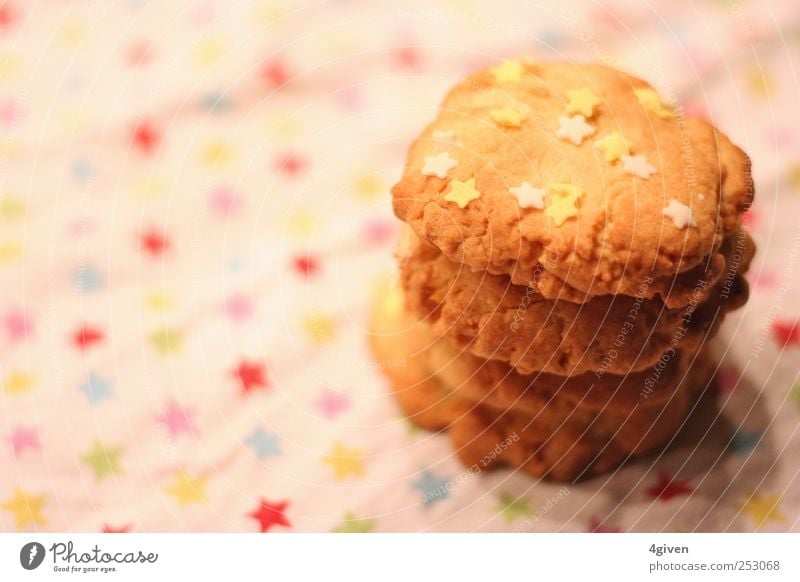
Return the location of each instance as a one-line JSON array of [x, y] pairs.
[[616, 334], [576, 179], [548, 435]]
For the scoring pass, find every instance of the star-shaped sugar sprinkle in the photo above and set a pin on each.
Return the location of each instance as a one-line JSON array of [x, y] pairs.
[[507, 117], [462, 193], [444, 134], [563, 202], [614, 146], [651, 101], [574, 128], [438, 165], [680, 214], [638, 166], [582, 101], [508, 72], [527, 196]]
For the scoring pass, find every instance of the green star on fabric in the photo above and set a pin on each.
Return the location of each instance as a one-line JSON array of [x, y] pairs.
[[104, 460], [352, 524], [512, 508], [166, 341], [794, 395]]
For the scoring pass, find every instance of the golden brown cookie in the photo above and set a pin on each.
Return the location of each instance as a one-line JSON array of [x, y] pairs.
[[609, 334], [575, 179], [559, 440]]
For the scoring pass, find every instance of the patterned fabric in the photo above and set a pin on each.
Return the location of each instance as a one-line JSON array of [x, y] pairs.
[[194, 216]]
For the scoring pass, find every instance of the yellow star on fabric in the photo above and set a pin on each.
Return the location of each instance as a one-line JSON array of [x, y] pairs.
[[508, 72], [18, 382], [462, 193], [187, 490], [563, 202], [217, 154], [320, 327], [345, 461], [507, 117], [369, 187], [762, 509], [104, 460], [209, 52], [582, 101], [27, 509], [652, 101], [614, 146], [10, 251], [166, 341], [159, 301]]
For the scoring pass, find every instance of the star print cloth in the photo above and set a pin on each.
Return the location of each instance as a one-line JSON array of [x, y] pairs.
[[194, 216]]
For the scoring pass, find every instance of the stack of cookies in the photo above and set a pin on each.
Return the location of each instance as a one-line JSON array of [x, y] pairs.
[[572, 244]]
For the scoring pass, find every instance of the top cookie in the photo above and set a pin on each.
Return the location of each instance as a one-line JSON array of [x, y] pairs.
[[575, 179]]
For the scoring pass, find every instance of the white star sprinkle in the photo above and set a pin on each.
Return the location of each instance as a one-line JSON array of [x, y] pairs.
[[438, 165], [638, 166], [527, 196], [574, 128], [680, 214], [445, 134]]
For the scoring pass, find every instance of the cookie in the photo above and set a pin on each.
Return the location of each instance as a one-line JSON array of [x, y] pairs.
[[559, 441], [609, 334], [577, 180]]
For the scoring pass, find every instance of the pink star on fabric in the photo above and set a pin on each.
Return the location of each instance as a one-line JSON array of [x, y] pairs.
[[239, 308], [10, 114], [17, 325], [332, 403], [177, 419], [224, 201], [25, 438], [379, 231]]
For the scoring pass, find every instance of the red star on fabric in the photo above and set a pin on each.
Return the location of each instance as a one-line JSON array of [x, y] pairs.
[[250, 376], [291, 164], [154, 242], [408, 57], [7, 16], [596, 526], [270, 514], [145, 137], [114, 529], [666, 488], [306, 265], [275, 74], [786, 334], [87, 336], [139, 53]]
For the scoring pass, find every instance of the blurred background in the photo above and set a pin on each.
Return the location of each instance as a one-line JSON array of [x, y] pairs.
[[195, 214]]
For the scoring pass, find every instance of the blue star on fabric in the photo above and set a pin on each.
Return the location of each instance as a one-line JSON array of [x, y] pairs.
[[743, 441], [264, 444], [432, 487], [82, 171], [216, 102], [96, 388], [88, 279]]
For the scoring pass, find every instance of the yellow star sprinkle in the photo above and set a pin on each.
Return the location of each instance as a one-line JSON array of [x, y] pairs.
[[508, 72], [187, 490], [651, 101], [762, 509], [582, 101], [507, 117], [614, 146], [18, 382], [345, 461], [563, 202], [27, 509], [462, 193]]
